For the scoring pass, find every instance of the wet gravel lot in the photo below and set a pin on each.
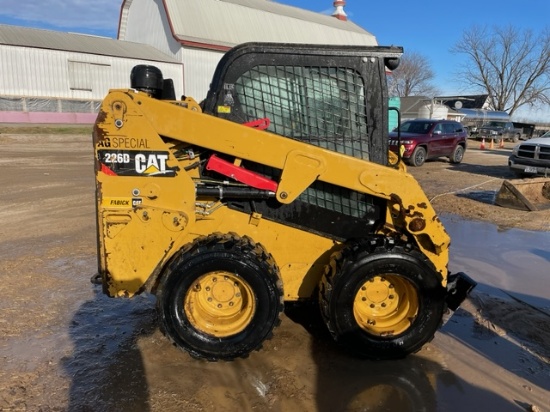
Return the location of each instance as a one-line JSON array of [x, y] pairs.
[[66, 347]]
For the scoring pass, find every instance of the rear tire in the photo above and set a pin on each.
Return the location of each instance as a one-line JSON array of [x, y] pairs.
[[418, 156], [220, 298], [381, 300], [458, 154]]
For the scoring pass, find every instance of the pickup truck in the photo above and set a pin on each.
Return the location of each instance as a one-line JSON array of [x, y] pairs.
[[495, 130]]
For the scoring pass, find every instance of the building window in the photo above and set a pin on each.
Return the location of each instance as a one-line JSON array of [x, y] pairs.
[[81, 74]]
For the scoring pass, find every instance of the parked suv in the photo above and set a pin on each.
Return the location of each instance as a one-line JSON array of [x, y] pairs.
[[423, 139]]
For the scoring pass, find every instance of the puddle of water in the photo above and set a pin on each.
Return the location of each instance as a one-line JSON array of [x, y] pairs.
[[106, 366], [514, 261], [485, 196], [114, 357]]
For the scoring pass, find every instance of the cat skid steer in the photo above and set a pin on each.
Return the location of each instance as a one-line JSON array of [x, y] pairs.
[[279, 187]]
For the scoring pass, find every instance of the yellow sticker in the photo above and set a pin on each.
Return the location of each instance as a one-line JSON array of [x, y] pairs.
[[117, 202], [224, 109]]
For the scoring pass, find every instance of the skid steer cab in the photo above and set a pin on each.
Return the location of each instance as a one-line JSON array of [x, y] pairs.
[[278, 187]]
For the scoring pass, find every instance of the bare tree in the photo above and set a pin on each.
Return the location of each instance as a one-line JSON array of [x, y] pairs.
[[512, 66], [413, 77]]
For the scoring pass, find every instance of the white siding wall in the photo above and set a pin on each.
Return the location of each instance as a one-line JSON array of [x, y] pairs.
[[198, 69], [27, 71], [124, 20], [148, 24], [32, 72]]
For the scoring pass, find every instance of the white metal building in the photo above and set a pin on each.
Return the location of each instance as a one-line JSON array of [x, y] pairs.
[[198, 32], [53, 77]]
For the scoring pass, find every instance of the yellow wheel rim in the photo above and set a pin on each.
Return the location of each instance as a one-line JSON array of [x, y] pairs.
[[386, 305], [219, 304]]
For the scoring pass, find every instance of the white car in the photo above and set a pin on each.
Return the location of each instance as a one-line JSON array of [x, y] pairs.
[[532, 157]]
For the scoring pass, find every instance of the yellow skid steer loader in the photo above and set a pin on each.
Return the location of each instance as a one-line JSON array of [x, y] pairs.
[[278, 187]]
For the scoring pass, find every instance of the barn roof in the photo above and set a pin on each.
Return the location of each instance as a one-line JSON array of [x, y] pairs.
[[226, 23], [80, 43]]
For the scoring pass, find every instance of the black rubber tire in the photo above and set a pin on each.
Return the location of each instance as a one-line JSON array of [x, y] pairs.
[[418, 157], [231, 254], [358, 263], [458, 154]]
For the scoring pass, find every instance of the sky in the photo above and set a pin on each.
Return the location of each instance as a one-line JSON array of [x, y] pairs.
[[429, 27]]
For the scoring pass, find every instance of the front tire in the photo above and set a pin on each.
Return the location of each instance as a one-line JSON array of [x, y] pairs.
[[381, 300], [220, 298], [418, 156]]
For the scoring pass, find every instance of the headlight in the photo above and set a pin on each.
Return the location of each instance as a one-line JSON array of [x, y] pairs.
[[515, 150], [494, 132]]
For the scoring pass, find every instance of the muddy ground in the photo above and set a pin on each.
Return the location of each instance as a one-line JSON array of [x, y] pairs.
[[66, 347], [469, 188]]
